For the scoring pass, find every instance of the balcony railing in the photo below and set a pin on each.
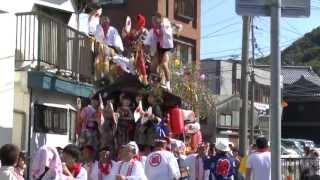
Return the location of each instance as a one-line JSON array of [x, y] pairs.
[[47, 44]]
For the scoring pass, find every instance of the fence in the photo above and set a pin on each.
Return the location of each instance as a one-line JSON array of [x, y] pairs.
[[47, 44], [300, 168]]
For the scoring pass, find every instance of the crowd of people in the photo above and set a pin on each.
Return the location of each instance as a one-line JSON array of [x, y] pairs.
[[129, 137], [167, 160]]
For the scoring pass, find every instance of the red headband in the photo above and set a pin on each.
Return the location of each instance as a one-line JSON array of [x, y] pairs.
[[141, 21]]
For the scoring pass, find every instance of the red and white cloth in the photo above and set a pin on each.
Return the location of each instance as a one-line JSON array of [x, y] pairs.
[[132, 170], [162, 165]]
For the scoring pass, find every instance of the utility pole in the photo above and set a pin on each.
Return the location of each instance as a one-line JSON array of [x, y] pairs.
[[252, 84], [243, 131], [275, 90]]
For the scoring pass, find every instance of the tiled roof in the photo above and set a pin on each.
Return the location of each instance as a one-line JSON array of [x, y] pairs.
[[292, 74]]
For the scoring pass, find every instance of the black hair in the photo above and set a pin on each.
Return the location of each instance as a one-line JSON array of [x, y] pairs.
[[22, 156], [73, 151], [92, 7], [9, 155], [105, 148], [88, 147], [85, 102], [261, 142]]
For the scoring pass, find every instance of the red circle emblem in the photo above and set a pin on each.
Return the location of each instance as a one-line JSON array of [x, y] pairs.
[[155, 160]]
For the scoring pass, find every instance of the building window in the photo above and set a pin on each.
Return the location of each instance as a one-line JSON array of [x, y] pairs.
[[185, 9], [237, 87], [50, 119], [112, 1], [185, 52], [225, 120]]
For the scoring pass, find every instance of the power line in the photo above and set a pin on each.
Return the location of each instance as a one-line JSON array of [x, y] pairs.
[[290, 25], [214, 6], [283, 44], [221, 34], [283, 27], [289, 30], [220, 29], [220, 22], [217, 52]]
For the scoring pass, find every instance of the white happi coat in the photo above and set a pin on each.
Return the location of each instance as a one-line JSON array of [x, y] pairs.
[[162, 165], [123, 168], [111, 38], [166, 41], [92, 170]]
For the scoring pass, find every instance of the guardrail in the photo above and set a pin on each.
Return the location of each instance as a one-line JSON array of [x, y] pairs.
[[300, 168]]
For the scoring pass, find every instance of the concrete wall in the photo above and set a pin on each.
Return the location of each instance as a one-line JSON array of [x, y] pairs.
[[7, 46], [226, 78], [211, 70], [12, 119]]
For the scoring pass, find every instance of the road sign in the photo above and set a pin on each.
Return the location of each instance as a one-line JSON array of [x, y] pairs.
[[289, 8]]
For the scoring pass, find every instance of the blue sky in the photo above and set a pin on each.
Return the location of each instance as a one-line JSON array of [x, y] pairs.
[[221, 29]]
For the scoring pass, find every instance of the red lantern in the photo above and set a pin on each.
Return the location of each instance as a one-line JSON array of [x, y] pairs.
[[176, 121], [196, 139]]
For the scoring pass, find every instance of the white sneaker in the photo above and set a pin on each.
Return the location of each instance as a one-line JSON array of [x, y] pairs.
[[168, 86]]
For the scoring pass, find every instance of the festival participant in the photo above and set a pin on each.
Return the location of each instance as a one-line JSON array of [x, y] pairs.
[[259, 162], [105, 163], [160, 42], [109, 128], [92, 119], [88, 19], [94, 12], [221, 166], [72, 169], [108, 34], [91, 135], [128, 168], [90, 164], [21, 165], [89, 112], [146, 126], [196, 162], [9, 154], [125, 126], [178, 149], [46, 164], [161, 164], [134, 46]]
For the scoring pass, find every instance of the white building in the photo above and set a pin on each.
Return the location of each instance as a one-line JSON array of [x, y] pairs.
[[41, 60]]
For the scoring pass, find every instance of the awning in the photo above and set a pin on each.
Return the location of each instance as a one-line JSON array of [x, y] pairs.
[[261, 106]]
